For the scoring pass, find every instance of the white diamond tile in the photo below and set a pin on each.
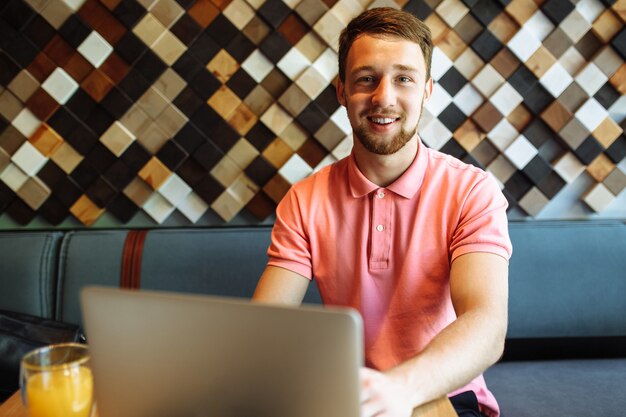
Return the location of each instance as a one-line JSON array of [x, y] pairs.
[[13, 177], [95, 49], [468, 63], [487, 80], [26, 122], [326, 65], [295, 169], [174, 189], [503, 135], [468, 99], [193, 207], [227, 206], [618, 110], [117, 138], [293, 63], [257, 66], [74, 4], [572, 61], [439, 100], [590, 9], [60, 85], [556, 80], [451, 11], [328, 27], [243, 189], [598, 198], [506, 99], [276, 119], [239, 13], [312, 82], [345, 10], [591, 114], [568, 167], [226, 171], [29, 159], [591, 79], [520, 152], [539, 25], [440, 63], [344, 147], [435, 135], [340, 118], [158, 208], [524, 44], [575, 26]]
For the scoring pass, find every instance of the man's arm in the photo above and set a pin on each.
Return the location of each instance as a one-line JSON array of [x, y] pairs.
[[280, 286], [463, 350]]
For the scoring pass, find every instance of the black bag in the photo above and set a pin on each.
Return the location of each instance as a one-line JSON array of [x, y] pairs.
[[19, 334]]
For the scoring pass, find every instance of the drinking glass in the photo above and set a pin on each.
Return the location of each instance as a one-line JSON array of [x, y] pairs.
[[56, 381]]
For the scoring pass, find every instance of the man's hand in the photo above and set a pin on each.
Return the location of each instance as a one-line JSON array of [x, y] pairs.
[[381, 395]]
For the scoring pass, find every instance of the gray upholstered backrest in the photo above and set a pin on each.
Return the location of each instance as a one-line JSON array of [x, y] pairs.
[[567, 279], [28, 262]]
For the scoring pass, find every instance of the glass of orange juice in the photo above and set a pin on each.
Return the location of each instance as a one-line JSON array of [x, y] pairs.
[[56, 381]]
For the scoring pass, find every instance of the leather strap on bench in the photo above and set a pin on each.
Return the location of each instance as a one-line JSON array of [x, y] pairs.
[[131, 259]]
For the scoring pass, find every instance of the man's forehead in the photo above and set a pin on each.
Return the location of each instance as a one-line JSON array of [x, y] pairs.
[[398, 53]]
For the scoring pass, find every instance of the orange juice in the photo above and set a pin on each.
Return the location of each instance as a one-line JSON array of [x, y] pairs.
[[60, 393]]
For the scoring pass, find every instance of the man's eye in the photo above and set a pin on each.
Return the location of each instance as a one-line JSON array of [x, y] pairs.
[[404, 79], [366, 79]]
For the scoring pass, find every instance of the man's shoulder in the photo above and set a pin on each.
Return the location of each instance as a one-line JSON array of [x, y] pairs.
[[323, 177]]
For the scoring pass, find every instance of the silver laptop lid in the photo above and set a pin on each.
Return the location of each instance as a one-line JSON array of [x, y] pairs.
[[164, 354]]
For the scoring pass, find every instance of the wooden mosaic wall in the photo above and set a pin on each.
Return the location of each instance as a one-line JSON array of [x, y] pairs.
[[217, 106]]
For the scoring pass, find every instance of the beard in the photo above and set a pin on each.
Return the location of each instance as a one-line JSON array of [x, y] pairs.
[[374, 144]]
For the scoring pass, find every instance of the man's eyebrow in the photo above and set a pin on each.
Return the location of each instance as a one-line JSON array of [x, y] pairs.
[[398, 67]]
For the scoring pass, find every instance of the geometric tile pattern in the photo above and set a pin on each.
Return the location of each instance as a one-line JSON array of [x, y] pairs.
[[190, 106]]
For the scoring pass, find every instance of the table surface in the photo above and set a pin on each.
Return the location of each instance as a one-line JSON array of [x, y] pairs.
[[439, 408]]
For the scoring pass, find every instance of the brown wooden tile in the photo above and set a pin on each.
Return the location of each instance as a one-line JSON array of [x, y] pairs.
[[23, 85], [256, 30], [46, 140], [615, 181], [111, 29], [278, 153], [58, 51], [97, 85], [329, 135], [505, 62], [204, 12], [557, 42], [574, 133], [451, 44], [92, 12], [78, 67], [42, 104], [86, 211], [607, 132], [540, 62], [503, 27], [521, 10], [573, 97], [10, 106], [111, 4], [11, 140], [66, 157], [223, 66], [275, 83], [556, 115], [487, 116], [311, 10], [56, 13], [312, 152], [600, 168], [259, 100], [294, 100], [153, 138], [167, 11], [293, 28], [261, 206], [115, 68], [276, 188], [41, 67], [154, 173], [619, 7], [34, 192], [437, 26], [520, 117], [469, 135], [242, 119], [618, 80], [607, 25], [138, 191], [468, 28], [224, 101]]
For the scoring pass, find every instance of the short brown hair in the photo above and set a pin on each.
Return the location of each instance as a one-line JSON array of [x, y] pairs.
[[386, 21]]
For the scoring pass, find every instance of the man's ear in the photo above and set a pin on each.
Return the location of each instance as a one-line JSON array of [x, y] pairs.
[[340, 90], [428, 90]]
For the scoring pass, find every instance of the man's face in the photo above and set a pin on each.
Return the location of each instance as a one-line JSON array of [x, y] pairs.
[[384, 91]]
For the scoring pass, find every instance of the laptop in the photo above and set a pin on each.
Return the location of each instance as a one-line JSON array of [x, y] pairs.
[[160, 354]]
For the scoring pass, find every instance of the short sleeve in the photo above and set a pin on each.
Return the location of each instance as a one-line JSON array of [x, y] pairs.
[[483, 224], [290, 248]]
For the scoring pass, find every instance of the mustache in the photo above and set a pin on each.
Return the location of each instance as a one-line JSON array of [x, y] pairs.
[[381, 112]]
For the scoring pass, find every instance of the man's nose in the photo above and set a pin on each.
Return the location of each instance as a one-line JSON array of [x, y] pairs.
[[384, 95]]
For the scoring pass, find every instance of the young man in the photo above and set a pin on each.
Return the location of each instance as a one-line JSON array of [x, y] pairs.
[[413, 239]]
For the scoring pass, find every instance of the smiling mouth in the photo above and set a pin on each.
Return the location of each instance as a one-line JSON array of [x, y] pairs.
[[383, 120]]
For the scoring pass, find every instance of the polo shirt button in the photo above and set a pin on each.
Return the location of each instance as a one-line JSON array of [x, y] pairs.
[[380, 227], [381, 194]]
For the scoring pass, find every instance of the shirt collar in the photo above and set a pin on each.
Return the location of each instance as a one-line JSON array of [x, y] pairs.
[[406, 185]]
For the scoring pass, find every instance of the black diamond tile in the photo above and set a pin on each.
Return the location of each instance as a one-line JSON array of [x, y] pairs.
[[205, 119], [84, 174], [617, 150], [130, 47], [21, 50], [240, 47], [486, 45], [223, 135], [186, 29], [51, 174], [551, 184], [16, 14], [518, 185], [116, 103], [119, 175], [418, 8], [134, 84], [8, 69], [150, 66], [191, 172], [274, 47], [208, 155], [186, 4], [241, 83], [538, 132], [190, 138], [452, 81], [101, 192], [187, 66], [172, 155], [122, 208], [67, 191], [221, 30], [453, 148], [53, 211], [135, 157], [20, 212], [607, 95], [204, 84], [588, 150], [523, 80], [486, 10], [609, 3], [557, 10], [589, 45], [204, 48], [82, 138], [260, 136], [63, 122], [6, 196], [452, 117], [129, 12], [74, 31], [619, 43], [208, 189], [39, 31], [469, 159], [3, 124], [274, 12], [100, 158], [537, 169], [327, 100], [537, 99], [99, 120], [312, 118], [260, 171]]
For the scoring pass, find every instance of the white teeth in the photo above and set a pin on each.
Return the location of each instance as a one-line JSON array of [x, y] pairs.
[[382, 120]]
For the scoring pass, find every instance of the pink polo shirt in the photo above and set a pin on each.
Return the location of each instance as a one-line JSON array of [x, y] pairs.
[[387, 251]]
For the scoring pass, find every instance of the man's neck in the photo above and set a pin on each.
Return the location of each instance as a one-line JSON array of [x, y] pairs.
[[383, 170]]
